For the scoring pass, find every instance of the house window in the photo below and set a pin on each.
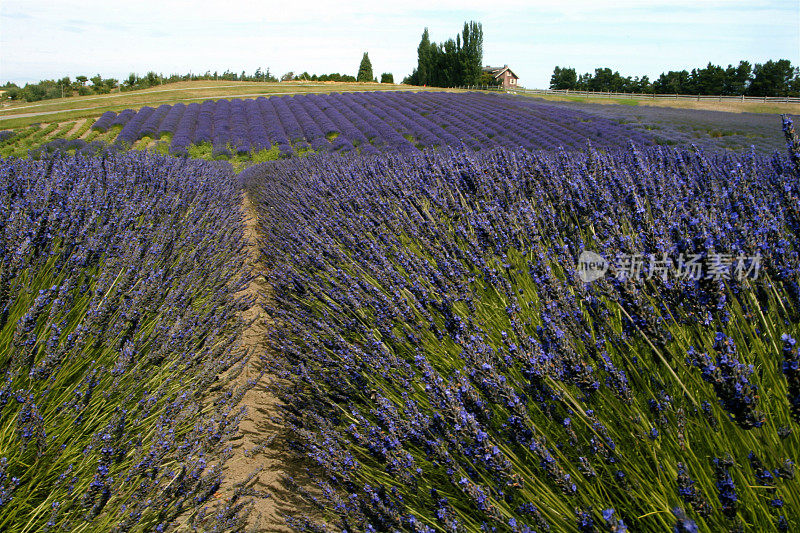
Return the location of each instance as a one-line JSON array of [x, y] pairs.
[[512, 81]]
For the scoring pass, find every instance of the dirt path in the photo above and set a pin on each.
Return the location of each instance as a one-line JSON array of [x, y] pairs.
[[78, 124], [255, 452]]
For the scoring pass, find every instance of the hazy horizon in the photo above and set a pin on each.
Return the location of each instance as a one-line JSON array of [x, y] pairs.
[[40, 40]]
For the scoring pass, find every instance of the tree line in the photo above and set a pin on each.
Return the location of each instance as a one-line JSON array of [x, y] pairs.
[[305, 76], [85, 86], [772, 78], [66, 87], [454, 62], [364, 75]]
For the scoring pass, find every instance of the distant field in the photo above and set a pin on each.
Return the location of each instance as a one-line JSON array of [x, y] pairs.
[[244, 131], [66, 125], [708, 105], [708, 129], [22, 114]]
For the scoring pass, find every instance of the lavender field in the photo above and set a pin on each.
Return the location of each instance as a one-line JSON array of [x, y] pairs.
[[365, 123], [448, 369], [262, 129], [711, 130], [480, 313]]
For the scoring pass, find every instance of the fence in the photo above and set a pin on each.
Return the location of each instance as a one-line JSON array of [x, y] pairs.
[[497, 88], [640, 96]]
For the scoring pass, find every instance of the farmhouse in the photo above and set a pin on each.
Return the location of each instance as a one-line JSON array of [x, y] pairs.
[[503, 76]]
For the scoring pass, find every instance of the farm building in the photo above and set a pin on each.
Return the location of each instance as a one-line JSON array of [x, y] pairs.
[[503, 76]]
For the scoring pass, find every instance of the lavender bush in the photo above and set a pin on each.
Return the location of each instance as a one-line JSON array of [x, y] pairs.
[[118, 331], [446, 368], [105, 121]]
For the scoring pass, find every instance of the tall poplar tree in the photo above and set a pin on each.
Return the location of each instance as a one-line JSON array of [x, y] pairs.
[[365, 69], [424, 59], [455, 62]]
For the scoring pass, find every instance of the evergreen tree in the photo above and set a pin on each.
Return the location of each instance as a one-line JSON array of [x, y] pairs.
[[673, 82], [737, 78], [564, 78], [365, 69], [773, 78], [471, 53], [709, 80], [424, 60], [454, 62]]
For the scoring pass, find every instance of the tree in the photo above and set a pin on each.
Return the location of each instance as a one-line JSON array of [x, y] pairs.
[[709, 80], [773, 78], [289, 76], [132, 81], [471, 56], [605, 79], [424, 60], [387, 77], [97, 84], [13, 91], [487, 79], [65, 82], [455, 62], [642, 85], [448, 67], [365, 69], [81, 79], [737, 78], [564, 78], [151, 79], [673, 82]]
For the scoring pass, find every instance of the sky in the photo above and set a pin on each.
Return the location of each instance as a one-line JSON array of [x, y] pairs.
[[56, 38]]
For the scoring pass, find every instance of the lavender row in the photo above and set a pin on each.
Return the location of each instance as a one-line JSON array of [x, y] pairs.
[[110, 119], [446, 367], [117, 315]]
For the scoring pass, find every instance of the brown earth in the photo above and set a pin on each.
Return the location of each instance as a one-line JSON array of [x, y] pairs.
[[86, 133], [78, 124], [256, 458]]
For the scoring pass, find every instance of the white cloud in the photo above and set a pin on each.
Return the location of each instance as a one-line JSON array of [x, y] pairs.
[[42, 39]]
